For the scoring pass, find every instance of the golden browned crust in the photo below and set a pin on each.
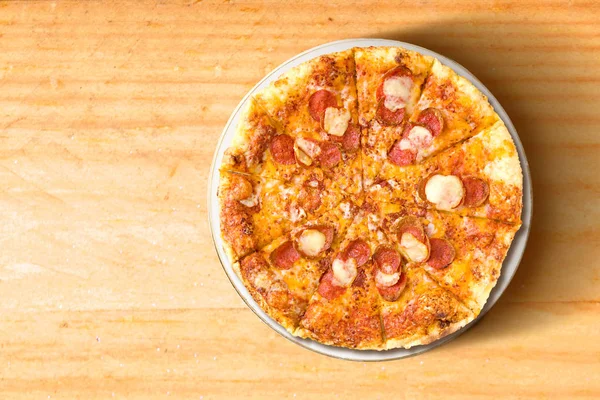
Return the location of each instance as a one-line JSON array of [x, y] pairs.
[[237, 227], [424, 314], [351, 320], [270, 291]]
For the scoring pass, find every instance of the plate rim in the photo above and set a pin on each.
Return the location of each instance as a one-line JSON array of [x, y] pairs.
[[513, 258]]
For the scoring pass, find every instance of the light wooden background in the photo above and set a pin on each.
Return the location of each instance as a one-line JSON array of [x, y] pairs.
[[109, 116]]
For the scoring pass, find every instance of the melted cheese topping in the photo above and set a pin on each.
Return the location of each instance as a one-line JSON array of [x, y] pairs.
[[336, 121], [415, 250], [346, 209], [445, 191], [397, 92], [311, 242], [418, 137], [386, 280], [297, 213], [344, 272]]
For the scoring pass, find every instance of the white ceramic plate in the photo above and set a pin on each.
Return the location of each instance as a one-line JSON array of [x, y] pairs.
[[511, 263]]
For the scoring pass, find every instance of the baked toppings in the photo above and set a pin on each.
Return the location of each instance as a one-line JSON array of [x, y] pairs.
[[401, 156], [476, 191], [415, 249], [387, 117], [351, 139], [282, 149], [396, 91], [392, 95], [446, 192], [393, 292], [312, 242], [327, 289], [284, 256], [387, 260], [336, 121], [385, 280], [330, 155], [319, 102], [442, 253], [432, 119], [344, 271], [359, 250], [412, 238]]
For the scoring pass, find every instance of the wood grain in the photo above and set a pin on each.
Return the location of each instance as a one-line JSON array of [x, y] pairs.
[[110, 112]]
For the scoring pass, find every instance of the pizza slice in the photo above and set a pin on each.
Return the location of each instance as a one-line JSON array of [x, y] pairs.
[[450, 110], [261, 148], [315, 104], [283, 275], [481, 177], [423, 313], [345, 310], [388, 81], [463, 255], [256, 210]]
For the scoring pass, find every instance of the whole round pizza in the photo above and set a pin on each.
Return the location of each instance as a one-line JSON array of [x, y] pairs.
[[369, 198]]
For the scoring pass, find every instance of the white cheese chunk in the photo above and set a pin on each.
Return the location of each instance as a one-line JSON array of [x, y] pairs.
[[445, 191], [406, 144], [344, 272], [386, 280], [415, 250], [420, 137], [336, 121], [397, 92], [311, 242], [306, 151]]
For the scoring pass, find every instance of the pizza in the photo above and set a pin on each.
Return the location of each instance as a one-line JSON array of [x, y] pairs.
[[369, 198]]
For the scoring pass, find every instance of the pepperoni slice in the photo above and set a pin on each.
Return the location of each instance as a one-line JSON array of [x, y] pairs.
[[441, 253], [360, 280], [416, 231], [282, 148], [387, 117], [359, 250], [285, 255], [327, 289], [432, 119], [330, 155], [409, 225], [392, 293], [351, 139], [397, 71], [421, 187], [401, 157], [388, 260], [319, 101], [476, 191]]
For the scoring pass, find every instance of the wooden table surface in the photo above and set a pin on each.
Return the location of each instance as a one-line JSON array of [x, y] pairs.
[[109, 283]]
